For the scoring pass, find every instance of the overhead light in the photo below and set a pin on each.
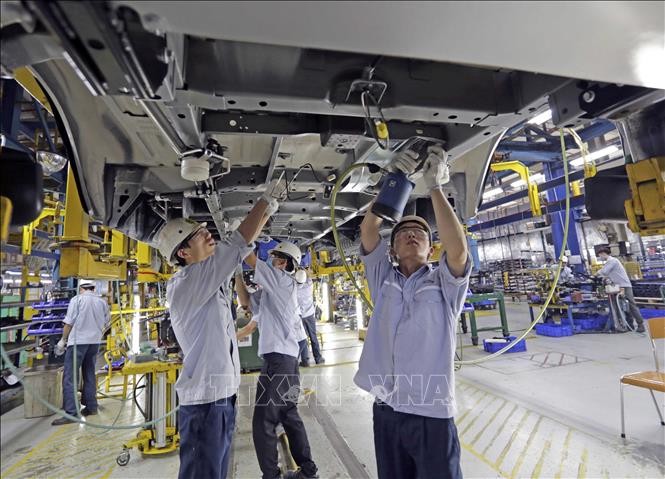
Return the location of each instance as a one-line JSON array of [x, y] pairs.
[[14, 273], [541, 118], [537, 178], [595, 155], [360, 321], [51, 162], [493, 192]]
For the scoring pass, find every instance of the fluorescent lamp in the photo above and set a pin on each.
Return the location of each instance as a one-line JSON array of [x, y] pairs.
[[541, 118], [595, 155], [14, 273], [537, 178], [136, 326], [359, 313], [493, 192], [326, 301]]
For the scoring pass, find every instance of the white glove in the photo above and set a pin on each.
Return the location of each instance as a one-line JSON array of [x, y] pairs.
[[435, 170], [273, 206], [61, 347], [276, 189], [300, 276], [406, 162]]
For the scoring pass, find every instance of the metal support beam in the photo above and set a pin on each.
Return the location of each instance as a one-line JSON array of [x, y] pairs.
[[575, 202], [577, 175]]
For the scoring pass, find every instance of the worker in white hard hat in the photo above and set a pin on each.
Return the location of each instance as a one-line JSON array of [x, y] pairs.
[[278, 385], [308, 319], [408, 355], [87, 316], [202, 321], [566, 273]]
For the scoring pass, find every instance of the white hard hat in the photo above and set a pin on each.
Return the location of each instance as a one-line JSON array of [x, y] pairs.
[[290, 250], [173, 233], [564, 259], [87, 283]]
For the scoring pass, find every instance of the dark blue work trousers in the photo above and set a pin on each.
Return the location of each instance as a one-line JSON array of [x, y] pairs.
[[277, 393], [409, 446], [86, 355], [206, 432], [309, 322]]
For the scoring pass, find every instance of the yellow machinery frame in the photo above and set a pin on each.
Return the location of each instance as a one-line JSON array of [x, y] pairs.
[[646, 209], [522, 170], [145, 439]]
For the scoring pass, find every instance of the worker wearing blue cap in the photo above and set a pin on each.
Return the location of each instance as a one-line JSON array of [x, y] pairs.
[[407, 360]]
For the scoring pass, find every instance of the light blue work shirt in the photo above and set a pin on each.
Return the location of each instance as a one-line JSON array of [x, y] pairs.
[[202, 322], [278, 310], [615, 271], [88, 315], [306, 299], [254, 304], [409, 352]]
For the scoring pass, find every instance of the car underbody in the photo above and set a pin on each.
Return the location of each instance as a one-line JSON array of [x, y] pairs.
[[134, 98]]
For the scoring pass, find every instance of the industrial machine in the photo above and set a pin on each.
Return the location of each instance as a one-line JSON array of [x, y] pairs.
[[161, 402]]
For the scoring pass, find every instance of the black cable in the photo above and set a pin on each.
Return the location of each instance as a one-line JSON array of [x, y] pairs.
[[134, 397], [289, 183], [369, 123]]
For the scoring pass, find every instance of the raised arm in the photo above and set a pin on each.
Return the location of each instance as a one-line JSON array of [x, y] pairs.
[[451, 233], [369, 230], [251, 259], [241, 289], [436, 173]]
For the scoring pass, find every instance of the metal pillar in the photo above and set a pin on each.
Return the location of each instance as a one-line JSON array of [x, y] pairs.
[[558, 219]]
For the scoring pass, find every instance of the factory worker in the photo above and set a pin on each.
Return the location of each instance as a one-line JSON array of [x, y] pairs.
[[87, 316], [407, 359], [307, 315], [279, 383], [615, 272], [201, 319]]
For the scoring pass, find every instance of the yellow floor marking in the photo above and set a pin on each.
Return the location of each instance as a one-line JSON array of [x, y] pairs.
[[491, 419], [35, 449], [508, 445], [539, 465], [480, 398], [522, 454], [496, 435], [581, 470], [485, 460], [564, 453], [473, 421], [108, 473]]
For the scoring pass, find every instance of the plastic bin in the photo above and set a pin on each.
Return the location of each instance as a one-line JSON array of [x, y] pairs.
[[493, 347], [45, 381], [553, 330], [648, 313], [586, 324]]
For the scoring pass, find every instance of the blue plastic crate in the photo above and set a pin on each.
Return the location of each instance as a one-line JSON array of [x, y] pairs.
[[494, 347], [553, 330], [648, 313], [586, 324]]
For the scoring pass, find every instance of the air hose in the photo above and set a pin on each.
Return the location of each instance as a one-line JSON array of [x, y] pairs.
[[62, 413], [550, 295]]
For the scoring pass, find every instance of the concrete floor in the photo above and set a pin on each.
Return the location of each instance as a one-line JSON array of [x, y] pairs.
[[552, 411]]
